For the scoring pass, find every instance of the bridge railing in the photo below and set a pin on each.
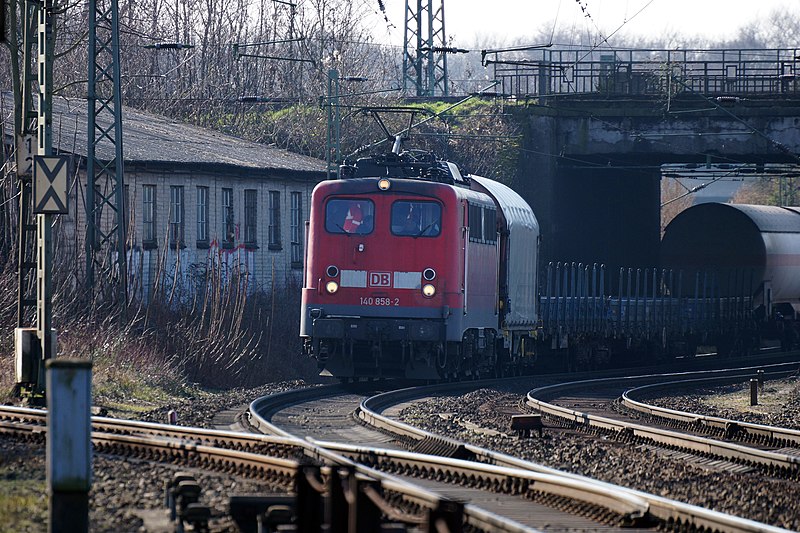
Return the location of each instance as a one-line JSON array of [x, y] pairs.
[[739, 72]]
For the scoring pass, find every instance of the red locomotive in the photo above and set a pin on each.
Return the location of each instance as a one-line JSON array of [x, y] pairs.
[[413, 270]]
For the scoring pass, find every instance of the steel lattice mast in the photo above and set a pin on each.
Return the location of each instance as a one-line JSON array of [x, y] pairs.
[[27, 141], [105, 199], [424, 44]]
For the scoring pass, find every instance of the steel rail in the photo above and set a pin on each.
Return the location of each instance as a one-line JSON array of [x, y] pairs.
[[283, 471], [262, 409], [177, 443], [269, 444], [780, 463], [659, 508], [631, 507], [279, 470], [749, 430], [258, 465]]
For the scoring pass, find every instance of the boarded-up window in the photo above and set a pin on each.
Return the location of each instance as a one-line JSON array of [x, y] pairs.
[[274, 220], [250, 216], [176, 217], [149, 214], [297, 229], [228, 229], [202, 215]]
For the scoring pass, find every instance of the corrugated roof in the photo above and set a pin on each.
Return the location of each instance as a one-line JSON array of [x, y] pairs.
[[157, 141]]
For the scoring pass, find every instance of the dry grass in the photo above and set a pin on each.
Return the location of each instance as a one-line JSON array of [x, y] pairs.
[[225, 335], [771, 400]]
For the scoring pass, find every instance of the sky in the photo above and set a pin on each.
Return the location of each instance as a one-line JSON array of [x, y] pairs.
[[465, 20]]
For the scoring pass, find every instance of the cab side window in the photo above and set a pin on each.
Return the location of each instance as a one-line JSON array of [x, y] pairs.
[[482, 224], [344, 215]]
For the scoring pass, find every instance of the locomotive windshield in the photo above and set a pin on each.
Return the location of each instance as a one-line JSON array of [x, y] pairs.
[[416, 219], [349, 216]]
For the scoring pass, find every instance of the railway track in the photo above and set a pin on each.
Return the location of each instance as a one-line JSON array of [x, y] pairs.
[[460, 463], [530, 501], [287, 463], [383, 463], [589, 405], [737, 430]]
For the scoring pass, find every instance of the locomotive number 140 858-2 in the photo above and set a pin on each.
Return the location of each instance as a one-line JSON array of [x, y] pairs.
[[383, 301]]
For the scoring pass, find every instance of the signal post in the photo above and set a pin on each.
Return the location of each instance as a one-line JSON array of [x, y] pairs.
[[66, 385], [49, 173]]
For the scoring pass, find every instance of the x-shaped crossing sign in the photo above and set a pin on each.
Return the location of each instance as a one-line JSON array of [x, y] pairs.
[[50, 175]]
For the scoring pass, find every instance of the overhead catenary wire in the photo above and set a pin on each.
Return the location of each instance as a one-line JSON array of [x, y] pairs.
[[691, 191], [420, 123]]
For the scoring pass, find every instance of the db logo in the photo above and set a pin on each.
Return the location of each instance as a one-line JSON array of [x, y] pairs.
[[380, 279]]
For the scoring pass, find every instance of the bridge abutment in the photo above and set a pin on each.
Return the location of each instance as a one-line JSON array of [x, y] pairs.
[[591, 167]]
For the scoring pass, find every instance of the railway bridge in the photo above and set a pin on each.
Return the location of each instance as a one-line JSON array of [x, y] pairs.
[[602, 129]]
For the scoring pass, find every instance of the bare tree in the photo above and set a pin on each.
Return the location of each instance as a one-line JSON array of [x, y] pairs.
[[769, 190], [674, 200]]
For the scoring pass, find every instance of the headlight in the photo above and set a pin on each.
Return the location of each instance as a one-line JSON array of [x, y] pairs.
[[384, 184], [331, 287], [428, 290]]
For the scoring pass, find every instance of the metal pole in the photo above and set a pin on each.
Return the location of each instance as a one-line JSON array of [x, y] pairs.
[[430, 76], [69, 451], [27, 346], [44, 270], [91, 115], [106, 250], [119, 198], [333, 152]]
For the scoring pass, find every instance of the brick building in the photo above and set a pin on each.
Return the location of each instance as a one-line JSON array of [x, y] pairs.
[[195, 198]]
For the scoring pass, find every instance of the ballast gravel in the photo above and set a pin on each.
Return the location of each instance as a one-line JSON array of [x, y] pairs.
[[777, 403], [128, 495], [483, 418]]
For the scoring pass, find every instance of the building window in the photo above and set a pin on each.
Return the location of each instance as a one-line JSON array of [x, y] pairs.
[[297, 229], [97, 217], [149, 216], [202, 217], [250, 217], [176, 216], [228, 230], [127, 209], [274, 220]]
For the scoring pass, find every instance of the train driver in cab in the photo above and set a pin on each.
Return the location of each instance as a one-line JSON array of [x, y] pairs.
[[354, 218], [349, 216], [416, 219]]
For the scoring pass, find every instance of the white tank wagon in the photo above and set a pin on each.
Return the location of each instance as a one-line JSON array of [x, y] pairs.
[[751, 250]]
